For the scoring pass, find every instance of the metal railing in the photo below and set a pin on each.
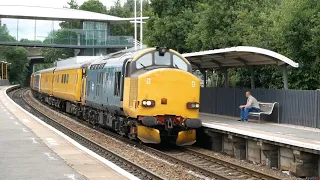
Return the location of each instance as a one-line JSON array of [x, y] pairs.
[[75, 37]]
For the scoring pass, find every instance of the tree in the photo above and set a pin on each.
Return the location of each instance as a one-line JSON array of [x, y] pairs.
[[71, 24], [18, 69], [30, 41], [171, 23], [298, 25], [15, 55], [60, 36], [93, 6], [120, 29]]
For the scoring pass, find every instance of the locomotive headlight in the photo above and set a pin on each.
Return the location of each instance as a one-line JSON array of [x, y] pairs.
[[148, 103], [193, 105]]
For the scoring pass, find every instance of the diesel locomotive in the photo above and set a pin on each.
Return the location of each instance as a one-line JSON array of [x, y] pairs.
[[148, 94]]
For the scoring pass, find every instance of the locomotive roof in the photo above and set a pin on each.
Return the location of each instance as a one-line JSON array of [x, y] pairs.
[[47, 70], [117, 58], [74, 66], [35, 73]]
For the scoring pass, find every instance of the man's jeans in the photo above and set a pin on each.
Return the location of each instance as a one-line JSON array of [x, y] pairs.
[[245, 111]]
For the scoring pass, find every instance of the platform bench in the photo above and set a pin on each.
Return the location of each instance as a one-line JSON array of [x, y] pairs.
[[265, 108]]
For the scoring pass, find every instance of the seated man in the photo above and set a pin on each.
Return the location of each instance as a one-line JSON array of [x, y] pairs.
[[251, 106]]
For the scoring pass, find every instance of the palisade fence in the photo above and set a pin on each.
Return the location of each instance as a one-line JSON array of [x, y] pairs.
[[298, 107]]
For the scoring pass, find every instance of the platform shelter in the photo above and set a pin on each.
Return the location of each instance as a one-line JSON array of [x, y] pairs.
[[240, 56], [298, 107]]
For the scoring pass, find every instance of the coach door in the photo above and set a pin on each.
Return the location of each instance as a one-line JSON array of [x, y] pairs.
[[83, 87], [125, 71]]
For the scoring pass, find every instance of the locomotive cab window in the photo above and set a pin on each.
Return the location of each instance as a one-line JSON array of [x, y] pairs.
[[164, 59], [144, 61], [179, 63]]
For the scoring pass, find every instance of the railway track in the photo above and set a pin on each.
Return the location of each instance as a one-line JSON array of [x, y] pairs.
[[136, 170], [209, 165], [205, 165]]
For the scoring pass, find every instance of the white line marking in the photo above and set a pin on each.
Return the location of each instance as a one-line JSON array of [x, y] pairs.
[[52, 141], [16, 123], [24, 130], [34, 141], [25, 120], [50, 157], [71, 176]]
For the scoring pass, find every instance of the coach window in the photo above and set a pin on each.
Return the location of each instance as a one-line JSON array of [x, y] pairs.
[[105, 80], [117, 83], [144, 61], [101, 77]]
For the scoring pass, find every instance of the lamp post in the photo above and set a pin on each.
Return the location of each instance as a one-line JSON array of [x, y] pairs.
[[135, 24], [141, 2]]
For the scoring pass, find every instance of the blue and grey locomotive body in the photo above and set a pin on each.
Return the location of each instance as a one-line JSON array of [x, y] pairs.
[[104, 82]]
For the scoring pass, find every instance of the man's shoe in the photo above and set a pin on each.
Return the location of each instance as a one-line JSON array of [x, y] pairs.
[[240, 120]]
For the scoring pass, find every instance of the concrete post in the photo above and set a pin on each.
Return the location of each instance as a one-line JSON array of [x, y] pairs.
[[226, 78], [285, 76], [6, 71], [33, 68], [204, 78], [252, 77], [204, 73]]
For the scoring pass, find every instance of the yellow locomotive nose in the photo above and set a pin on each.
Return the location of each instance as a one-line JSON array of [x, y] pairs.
[[171, 91]]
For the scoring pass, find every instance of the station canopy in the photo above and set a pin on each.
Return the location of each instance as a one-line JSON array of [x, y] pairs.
[[236, 57], [49, 13]]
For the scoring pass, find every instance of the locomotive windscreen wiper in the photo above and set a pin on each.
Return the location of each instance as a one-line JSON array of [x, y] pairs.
[[142, 65]]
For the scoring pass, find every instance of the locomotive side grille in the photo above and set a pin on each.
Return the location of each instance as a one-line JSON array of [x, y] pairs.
[[133, 91]]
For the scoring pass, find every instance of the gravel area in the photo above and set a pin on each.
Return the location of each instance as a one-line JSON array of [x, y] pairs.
[[153, 163], [244, 163]]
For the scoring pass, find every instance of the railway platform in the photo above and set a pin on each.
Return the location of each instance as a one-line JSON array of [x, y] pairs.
[[31, 149], [289, 148]]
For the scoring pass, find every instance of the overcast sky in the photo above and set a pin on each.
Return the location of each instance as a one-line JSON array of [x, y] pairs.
[[26, 27]]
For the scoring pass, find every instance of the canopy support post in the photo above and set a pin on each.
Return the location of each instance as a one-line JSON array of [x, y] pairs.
[[285, 76], [226, 77], [252, 77], [204, 73]]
